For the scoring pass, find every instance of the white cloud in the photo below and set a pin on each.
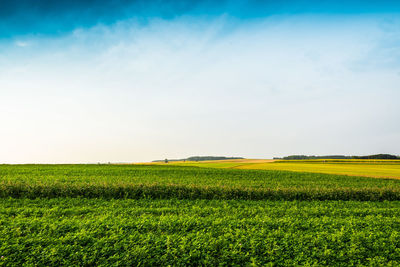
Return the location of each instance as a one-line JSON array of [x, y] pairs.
[[176, 88], [21, 43]]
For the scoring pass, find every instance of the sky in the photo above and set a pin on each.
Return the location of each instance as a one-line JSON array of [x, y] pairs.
[[86, 81]]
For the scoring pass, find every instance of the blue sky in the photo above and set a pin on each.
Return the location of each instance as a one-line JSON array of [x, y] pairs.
[[121, 81], [49, 17]]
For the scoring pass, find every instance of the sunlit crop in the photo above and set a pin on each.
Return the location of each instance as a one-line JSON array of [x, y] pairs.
[[148, 181], [160, 215], [368, 168]]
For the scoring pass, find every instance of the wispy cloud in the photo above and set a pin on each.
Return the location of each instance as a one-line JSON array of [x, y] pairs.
[[193, 85], [22, 43], [55, 18]]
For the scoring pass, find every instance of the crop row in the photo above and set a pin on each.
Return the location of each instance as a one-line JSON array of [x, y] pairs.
[[127, 181], [138, 191], [73, 231]]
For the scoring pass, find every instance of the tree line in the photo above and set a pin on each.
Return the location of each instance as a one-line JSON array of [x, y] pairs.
[[376, 156], [199, 158]]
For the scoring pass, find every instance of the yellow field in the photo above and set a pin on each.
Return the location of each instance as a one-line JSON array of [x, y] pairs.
[[370, 168]]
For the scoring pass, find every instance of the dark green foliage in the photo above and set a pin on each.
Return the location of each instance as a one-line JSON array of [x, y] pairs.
[[200, 158], [152, 181], [70, 232], [204, 158], [377, 156]]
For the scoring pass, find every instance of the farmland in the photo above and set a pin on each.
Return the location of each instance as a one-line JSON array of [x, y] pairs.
[[76, 231], [187, 182], [186, 215], [368, 168]]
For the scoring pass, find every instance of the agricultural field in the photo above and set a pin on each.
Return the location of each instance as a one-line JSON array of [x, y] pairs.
[[187, 182], [368, 168], [187, 215], [79, 231]]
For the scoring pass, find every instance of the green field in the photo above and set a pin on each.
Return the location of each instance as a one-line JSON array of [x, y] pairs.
[[160, 181], [65, 231], [184, 215]]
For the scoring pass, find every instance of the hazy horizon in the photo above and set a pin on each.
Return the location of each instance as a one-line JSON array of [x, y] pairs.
[[134, 81]]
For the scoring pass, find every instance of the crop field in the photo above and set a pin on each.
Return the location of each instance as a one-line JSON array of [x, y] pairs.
[[186, 215], [78, 231], [368, 168], [188, 182]]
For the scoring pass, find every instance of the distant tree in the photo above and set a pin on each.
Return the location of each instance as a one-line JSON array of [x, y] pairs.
[[197, 158], [202, 158], [298, 157], [377, 156]]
